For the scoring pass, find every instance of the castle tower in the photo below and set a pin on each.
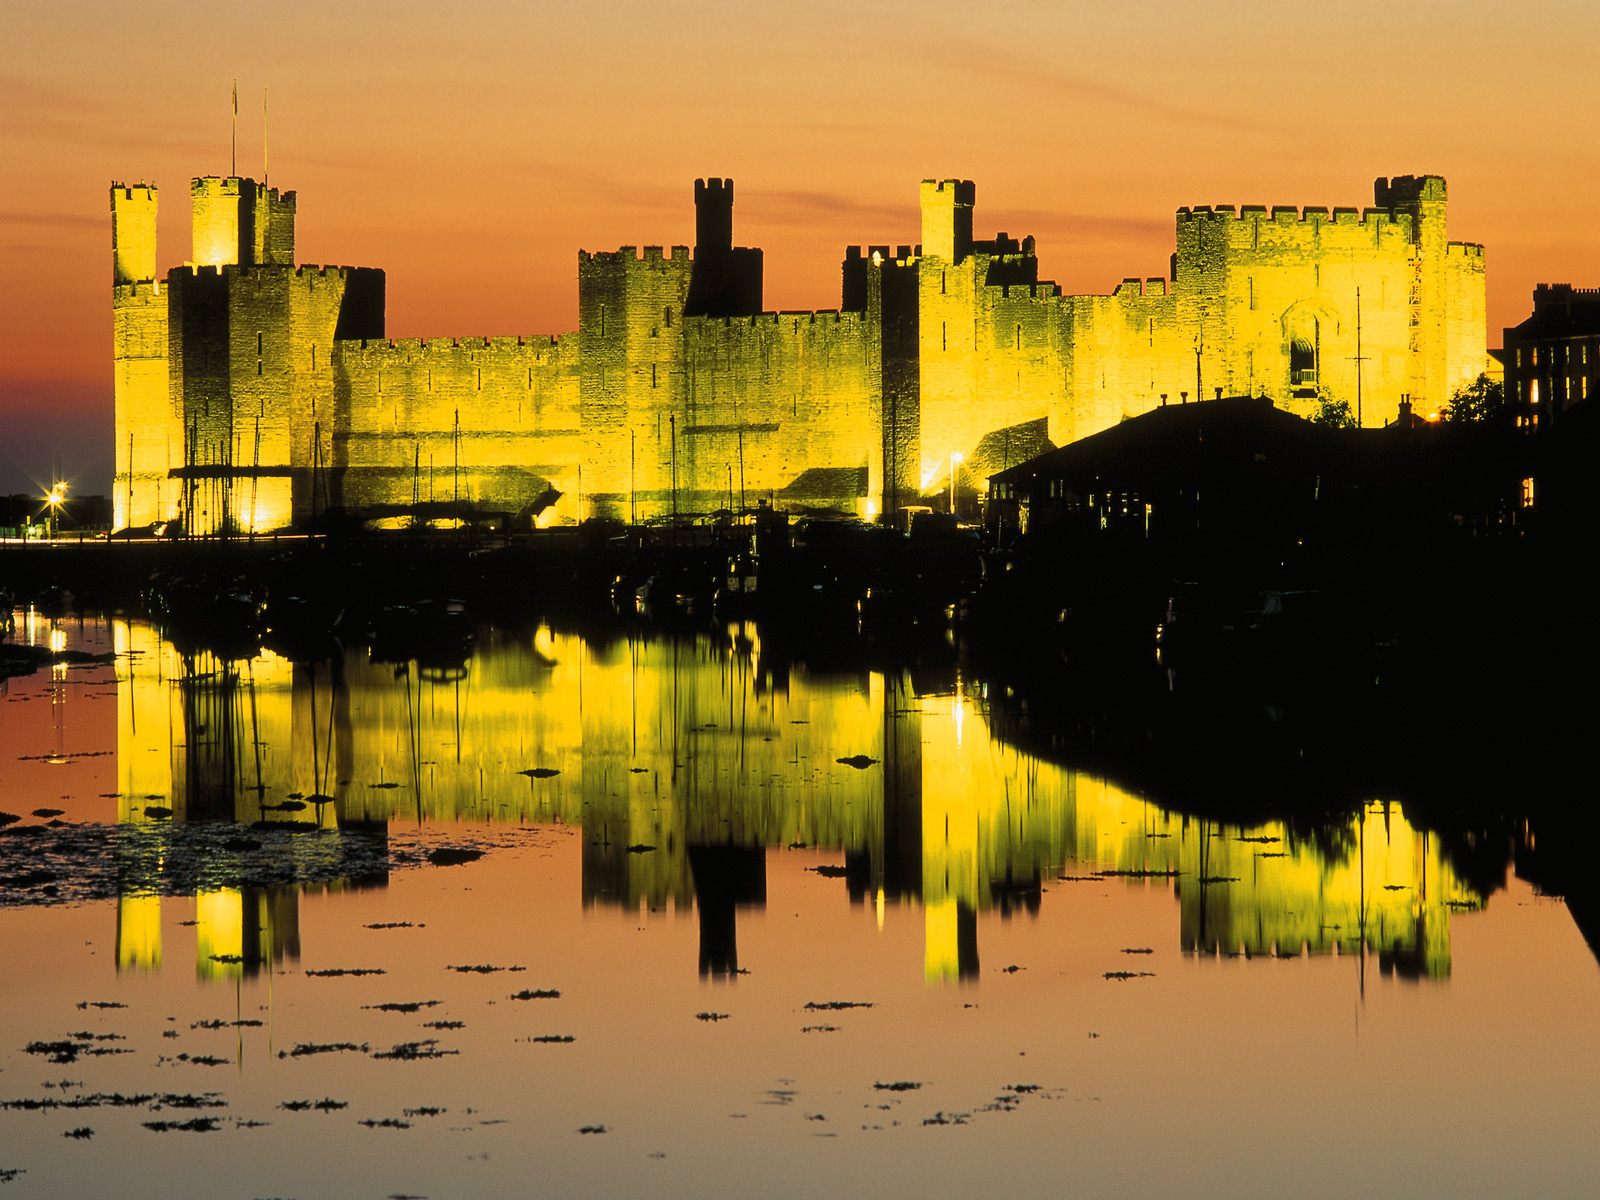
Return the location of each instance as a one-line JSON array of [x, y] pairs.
[[237, 220], [1423, 198], [948, 290], [274, 227], [727, 278], [148, 438], [133, 233], [947, 219], [713, 216], [223, 220]]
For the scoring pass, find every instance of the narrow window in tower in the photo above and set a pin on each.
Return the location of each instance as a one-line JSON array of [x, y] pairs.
[[258, 366], [652, 374], [530, 379], [479, 379], [1019, 337], [666, 317], [313, 356], [1252, 282], [941, 283], [258, 344], [1152, 331], [944, 336]]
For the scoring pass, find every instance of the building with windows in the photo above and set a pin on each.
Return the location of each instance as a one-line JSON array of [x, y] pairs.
[[1552, 359]]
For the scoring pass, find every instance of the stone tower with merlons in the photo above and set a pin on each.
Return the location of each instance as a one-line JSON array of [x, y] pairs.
[[223, 383]]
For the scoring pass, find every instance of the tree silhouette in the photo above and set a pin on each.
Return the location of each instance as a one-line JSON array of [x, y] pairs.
[[1484, 399]]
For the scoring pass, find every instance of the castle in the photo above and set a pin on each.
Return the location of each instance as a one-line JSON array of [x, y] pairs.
[[253, 392]]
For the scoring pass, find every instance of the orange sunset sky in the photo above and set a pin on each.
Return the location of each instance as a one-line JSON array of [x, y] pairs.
[[471, 149]]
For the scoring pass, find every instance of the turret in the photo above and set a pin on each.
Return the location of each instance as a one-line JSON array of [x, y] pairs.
[[727, 279], [1423, 196], [713, 216], [274, 227], [223, 220], [133, 233], [237, 220], [947, 218]]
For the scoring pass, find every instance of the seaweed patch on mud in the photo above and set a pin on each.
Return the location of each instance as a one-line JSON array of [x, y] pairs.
[[71, 864]]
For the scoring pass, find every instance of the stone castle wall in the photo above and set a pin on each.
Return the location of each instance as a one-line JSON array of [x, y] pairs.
[[148, 433], [990, 356], [1119, 354], [766, 398], [252, 393], [630, 347], [492, 422]]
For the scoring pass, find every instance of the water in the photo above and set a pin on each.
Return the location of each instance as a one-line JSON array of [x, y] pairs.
[[699, 955]]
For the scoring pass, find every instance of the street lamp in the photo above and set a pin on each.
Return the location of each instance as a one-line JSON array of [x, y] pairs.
[[955, 463], [56, 498]]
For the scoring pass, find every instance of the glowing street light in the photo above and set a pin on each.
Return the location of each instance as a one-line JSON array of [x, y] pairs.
[[54, 500], [955, 463]]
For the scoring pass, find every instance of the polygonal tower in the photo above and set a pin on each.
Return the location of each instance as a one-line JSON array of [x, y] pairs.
[[149, 439]]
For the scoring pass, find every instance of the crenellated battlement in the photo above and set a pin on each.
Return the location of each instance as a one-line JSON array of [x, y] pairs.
[[1466, 250], [373, 348], [146, 291], [1545, 292], [896, 254], [636, 254], [785, 321], [1043, 289], [237, 185], [262, 272], [1133, 287], [146, 192], [1280, 214]]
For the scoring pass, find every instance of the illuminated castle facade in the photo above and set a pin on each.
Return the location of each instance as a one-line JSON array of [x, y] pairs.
[[252, 392]]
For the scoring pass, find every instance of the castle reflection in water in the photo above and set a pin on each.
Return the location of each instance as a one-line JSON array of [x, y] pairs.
[[685, 762]]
